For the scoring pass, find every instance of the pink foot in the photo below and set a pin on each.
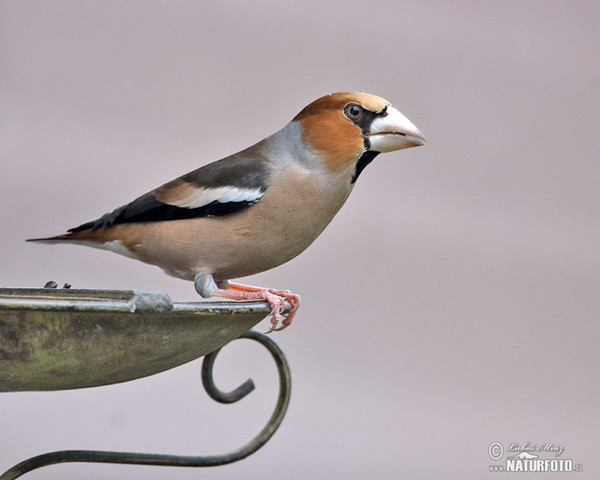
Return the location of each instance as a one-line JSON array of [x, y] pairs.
[[276, 299]]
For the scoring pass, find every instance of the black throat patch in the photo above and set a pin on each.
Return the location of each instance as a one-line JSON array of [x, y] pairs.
[[363, 161]]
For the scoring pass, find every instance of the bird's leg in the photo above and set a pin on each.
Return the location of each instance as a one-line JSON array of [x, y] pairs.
[[276, 299], [207, 287]]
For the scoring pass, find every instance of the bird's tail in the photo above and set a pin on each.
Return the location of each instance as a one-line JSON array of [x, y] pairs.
[[64, 238], [56, 239], [104, 240]]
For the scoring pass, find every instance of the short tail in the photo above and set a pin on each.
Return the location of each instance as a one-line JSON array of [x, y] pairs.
[[56, 239], [65, 237], [104, 239], [77, 233]]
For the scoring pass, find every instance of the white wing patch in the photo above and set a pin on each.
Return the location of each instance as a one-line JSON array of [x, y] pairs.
[[203, 196]]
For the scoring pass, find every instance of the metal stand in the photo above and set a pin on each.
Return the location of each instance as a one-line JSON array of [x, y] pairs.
[[252, 446]]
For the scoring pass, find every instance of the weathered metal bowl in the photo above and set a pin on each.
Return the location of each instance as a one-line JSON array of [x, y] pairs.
[[56, 339]]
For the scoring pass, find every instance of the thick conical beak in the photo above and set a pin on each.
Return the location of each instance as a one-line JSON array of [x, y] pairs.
[[393, 131]]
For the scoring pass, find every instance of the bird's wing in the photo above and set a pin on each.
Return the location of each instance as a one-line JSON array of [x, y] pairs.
[[220, 188]]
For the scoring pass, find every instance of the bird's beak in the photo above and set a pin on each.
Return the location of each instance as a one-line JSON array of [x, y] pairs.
[[393, 131]]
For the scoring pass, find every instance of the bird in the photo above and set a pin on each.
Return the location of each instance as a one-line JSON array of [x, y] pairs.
[[256, 209]]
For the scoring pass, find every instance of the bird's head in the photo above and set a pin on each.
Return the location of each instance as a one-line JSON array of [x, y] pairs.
[[349, 129]]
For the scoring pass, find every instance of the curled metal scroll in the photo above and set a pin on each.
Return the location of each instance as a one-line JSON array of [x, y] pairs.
[[93, 456]]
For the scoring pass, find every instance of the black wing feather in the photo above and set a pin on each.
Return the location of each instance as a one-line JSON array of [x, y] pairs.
[[240, 171], [147, 209]]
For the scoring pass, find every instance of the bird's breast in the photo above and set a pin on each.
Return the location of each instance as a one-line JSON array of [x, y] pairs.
[[289, 217]]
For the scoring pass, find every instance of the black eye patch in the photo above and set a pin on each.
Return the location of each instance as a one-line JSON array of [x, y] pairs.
[[360, 116]]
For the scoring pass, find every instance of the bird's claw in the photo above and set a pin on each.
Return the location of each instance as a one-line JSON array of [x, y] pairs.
[[277, 299]]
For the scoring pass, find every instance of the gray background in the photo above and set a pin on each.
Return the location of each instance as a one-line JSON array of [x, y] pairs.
[[454, 300]]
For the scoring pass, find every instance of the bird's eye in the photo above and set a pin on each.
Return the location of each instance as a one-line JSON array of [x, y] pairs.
[[353, 111]]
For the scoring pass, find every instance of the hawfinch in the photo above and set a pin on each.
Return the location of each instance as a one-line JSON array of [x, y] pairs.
[[258, 208]]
